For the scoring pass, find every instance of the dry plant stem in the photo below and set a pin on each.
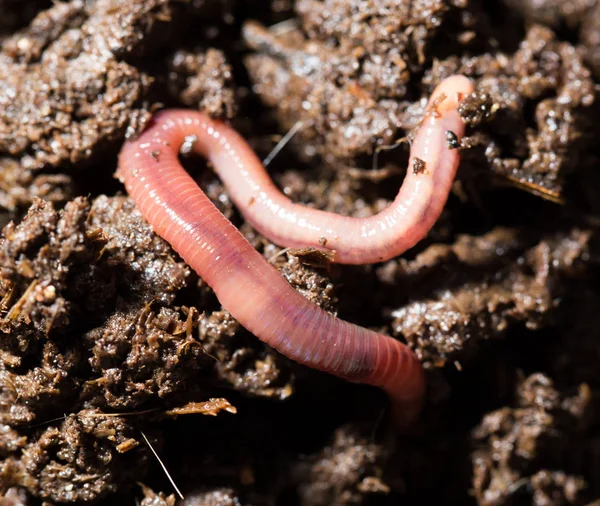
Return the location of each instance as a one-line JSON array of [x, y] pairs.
[[246, 284]]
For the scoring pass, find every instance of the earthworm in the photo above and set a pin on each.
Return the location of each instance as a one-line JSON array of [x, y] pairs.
[[249, 287]]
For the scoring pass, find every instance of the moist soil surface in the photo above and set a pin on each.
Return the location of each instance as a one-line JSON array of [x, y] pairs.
[[112, 348]]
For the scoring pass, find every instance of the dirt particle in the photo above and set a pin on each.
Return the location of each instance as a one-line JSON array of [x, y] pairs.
[[419, 166], [452, 139]]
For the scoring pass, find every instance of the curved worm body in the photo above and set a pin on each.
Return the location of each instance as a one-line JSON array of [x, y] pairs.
[[419, 203], [250, 288]]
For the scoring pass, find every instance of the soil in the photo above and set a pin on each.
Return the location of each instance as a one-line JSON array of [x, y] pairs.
[[112, 348]]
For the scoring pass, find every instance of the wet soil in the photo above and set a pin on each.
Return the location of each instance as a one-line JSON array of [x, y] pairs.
[[112, 348]]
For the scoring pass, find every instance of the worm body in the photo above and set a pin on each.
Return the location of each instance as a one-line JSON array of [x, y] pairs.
[[407, 220], [248, 286]]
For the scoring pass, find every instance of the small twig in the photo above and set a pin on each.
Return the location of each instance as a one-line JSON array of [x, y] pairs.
[[285, 26], [377, 424], [210, 407], [46, 422], [535, 189], [281, 144], [278, 254], [126, 413], [163, 466], [378, 149], [14, 311]]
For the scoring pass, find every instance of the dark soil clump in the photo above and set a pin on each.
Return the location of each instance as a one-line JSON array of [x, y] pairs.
[[112, 348]]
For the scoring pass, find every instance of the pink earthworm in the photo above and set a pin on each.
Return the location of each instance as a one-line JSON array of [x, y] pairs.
[[249, 287]]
